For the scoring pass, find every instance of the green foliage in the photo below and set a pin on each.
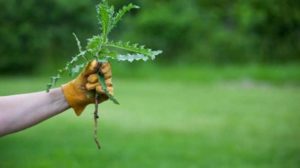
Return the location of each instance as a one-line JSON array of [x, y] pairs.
[[35, 35], [102, 82], [101, 48], [140, 51], [123, 11], [224, 32]]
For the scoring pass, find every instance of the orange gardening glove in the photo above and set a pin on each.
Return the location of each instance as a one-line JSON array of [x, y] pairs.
[[81, 91]]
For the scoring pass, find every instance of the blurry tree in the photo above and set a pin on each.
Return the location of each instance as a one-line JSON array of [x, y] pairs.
[[221, 31], [35, 34]]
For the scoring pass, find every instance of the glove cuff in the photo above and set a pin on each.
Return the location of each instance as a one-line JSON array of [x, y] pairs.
[[76, 100]]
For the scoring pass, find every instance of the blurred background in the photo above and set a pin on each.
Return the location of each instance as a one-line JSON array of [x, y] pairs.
[[224, 93]]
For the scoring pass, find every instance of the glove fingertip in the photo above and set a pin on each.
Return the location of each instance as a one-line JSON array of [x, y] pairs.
[[78, 110], [94, 66]]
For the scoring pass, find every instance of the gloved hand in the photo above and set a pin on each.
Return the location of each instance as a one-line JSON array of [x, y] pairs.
[[81, 91]]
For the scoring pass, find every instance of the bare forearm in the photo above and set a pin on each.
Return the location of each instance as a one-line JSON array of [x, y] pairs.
[[22, 111]]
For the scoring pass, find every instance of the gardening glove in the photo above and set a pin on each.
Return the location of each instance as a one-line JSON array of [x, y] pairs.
[[81, 91]]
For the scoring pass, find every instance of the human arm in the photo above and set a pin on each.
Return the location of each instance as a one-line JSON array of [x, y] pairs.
[[18, 112], [25, 110]]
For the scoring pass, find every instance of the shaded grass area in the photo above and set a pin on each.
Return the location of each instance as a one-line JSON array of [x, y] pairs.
[[166, 123]]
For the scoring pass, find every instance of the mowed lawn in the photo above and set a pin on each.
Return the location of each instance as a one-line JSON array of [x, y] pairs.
[[165, 124]]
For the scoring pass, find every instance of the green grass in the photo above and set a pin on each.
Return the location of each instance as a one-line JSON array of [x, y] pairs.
[[166, 123]]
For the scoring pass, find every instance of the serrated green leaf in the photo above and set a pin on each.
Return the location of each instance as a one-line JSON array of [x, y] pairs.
[[54, 79], [94, 45], [48, 87], [105, 16], [76, 69], [123, 11], [78, 43], [104, 87], [132, 57], [94, 42], [135, 48]]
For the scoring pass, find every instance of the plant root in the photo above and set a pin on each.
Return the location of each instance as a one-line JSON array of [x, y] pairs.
[[96, 116]]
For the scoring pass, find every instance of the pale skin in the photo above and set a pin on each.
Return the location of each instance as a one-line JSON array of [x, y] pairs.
[[25, 110], [18, 112]]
